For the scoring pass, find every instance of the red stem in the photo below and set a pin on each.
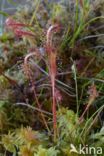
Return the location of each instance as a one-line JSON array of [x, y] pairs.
[[81, 3], [32, 82], [53, 68]]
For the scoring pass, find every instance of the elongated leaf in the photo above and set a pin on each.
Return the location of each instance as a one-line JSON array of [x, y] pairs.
[[4, 13], [12, 2]]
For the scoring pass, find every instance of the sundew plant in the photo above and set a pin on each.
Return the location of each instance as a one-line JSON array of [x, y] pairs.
[[52, 79]]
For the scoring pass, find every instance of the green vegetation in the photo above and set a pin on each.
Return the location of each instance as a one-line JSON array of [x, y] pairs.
[[52, 79]]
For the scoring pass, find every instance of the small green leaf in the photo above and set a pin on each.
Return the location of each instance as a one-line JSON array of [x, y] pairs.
[[2, 103], [4, 13], [4, 37], [12, 2]]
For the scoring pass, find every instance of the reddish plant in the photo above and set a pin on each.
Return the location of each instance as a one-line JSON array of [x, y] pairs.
[[20, 33], [29, 75], [93, 94], [11, 23], [52, 69], [81, 3], [16, 27]]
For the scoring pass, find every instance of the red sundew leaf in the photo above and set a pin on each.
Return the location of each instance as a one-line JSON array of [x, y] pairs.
[[10, 23], [21, 33], [81, 3], [53, 69], [52, 29], [16, 27], [28, 73], [93, 94]]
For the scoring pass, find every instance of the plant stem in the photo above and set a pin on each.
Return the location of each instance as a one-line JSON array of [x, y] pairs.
[[28, 71], [52, 68]]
